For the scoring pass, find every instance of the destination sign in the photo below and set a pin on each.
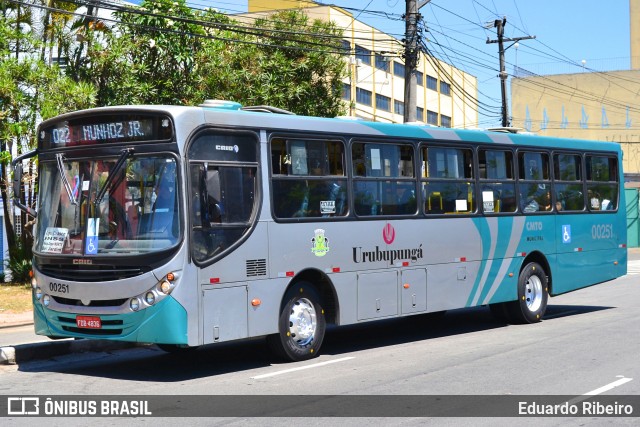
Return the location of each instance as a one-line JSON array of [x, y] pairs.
[[106, 129]]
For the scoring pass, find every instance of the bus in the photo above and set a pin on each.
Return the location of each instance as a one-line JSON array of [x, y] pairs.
[[189, 226]]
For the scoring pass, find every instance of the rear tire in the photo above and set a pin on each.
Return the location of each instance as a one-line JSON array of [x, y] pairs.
[[301, 325], [533, 293]]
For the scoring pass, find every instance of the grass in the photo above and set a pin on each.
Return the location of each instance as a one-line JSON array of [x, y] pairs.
[[15, 298]]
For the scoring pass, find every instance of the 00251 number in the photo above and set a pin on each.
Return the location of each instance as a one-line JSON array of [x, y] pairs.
[[63, 288]]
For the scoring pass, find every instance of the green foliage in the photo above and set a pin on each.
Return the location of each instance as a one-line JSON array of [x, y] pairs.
[[20, 263], [285, 60]]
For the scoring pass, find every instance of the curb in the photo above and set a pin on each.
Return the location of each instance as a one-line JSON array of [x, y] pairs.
[[12, 355]]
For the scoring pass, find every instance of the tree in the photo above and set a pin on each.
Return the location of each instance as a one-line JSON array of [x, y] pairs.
[[30, 91], [167, 53], [288, 62]]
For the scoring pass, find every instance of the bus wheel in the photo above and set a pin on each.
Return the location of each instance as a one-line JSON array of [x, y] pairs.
[[301, 325], [532, 295]]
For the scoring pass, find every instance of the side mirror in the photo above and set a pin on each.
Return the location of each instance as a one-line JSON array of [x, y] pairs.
[[16, 165]]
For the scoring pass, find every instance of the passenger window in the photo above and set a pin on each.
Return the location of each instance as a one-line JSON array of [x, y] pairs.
[[568, 182], [535, 183], [602, 183], [447, 184], [384, 179], [308, 178], [497, 183]]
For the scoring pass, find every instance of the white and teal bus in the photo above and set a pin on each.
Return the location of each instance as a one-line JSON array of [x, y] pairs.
[[187, 226]]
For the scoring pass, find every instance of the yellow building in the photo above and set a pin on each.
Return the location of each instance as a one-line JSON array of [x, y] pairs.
[[374, 89], [587, 105]]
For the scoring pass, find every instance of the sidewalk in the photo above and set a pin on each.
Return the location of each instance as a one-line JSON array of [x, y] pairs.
[[15, 319], [12, 354]]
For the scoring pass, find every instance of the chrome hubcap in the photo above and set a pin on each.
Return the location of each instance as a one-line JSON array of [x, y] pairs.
[[533, 293], [302, 322]]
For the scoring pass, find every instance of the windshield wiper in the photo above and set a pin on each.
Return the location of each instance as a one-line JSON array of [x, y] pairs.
[[65, 181], [114, 172]]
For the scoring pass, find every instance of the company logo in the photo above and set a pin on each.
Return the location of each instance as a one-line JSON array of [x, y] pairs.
[[389, 255], [79, 261], [233, 148], [388, 234], [23, 406], [319, 243]]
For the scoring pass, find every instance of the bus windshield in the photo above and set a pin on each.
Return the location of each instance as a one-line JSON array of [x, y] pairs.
[[108, 207]]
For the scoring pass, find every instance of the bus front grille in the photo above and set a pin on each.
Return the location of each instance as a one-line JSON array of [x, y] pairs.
[[91, 273], [96, 303]]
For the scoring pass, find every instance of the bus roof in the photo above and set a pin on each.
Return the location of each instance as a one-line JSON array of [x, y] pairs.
[[231, 114]]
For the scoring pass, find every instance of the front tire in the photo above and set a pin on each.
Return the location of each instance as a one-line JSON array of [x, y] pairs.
[[301, 325], [533, 293]]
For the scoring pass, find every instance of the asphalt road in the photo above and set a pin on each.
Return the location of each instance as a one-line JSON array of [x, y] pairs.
[[587, 343]]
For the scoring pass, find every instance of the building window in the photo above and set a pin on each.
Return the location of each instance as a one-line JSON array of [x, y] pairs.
[[383, 102], [398, 107], [363, 96], [445, 88], [398, 69], [432, 118], [346, 91], [419, 78], [420, 114], [363, 54], [445, 121], [346, 46], [382, 63], [432, 83]]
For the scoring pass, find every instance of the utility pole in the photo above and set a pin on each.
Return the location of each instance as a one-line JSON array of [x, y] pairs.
[[411, 57], [499, 25]]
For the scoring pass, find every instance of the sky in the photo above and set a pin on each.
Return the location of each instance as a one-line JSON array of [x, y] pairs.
[[567, 33]]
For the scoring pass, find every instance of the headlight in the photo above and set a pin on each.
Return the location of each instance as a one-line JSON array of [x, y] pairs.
[[134, 304], [46, 300], [34, 282], [38, 293], [150, 298], [166, 287]]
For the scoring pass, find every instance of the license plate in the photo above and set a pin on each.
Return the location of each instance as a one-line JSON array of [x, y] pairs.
[[88, 322]]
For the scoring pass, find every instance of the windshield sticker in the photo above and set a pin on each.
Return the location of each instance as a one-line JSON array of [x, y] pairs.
[[54, 238], [92, 236], [327, 207], [320, 244]]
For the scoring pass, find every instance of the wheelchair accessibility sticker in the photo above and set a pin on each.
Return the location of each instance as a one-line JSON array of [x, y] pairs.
[[566, 234], [91, 247]]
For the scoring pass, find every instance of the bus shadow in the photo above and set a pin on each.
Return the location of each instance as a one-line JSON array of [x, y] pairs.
[[429, 326], [150, 364]]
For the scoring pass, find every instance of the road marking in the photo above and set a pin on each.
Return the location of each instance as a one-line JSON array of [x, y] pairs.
[[608, 387], [300, 368], [600, 390]]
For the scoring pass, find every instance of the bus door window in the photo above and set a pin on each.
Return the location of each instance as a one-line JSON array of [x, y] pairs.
[[223, 202]]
